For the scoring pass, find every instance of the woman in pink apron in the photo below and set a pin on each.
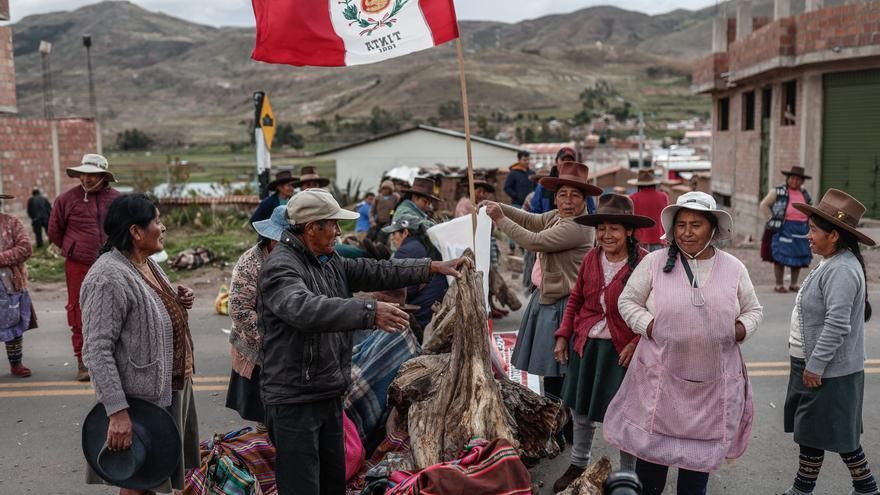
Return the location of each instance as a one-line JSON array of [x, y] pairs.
[[686, 401]]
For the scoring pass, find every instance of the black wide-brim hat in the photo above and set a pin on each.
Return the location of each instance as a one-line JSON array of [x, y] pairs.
[[155, 451], [615, 208], [283, 177]]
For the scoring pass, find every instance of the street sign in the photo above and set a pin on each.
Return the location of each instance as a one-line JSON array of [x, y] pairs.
[[267, 122]]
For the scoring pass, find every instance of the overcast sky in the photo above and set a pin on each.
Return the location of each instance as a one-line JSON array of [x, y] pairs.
[[239, 13]]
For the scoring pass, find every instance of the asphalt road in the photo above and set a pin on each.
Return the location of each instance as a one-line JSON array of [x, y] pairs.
[[40, 416]]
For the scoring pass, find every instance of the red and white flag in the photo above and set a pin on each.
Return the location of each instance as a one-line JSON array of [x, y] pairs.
[[349, 32]]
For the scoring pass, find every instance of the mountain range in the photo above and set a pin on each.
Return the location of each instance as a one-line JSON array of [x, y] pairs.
[[191, 83]]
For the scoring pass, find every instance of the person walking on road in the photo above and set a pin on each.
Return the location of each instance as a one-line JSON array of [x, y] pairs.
[[16, 309], [686, 399], [137, 338], [243, 394], [826, 384], [785, 237], [593, 341], [307, 318], [39, 209], [648, 201], [76, 226]]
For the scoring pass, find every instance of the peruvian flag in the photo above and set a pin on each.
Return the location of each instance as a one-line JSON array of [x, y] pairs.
[[349, 32]]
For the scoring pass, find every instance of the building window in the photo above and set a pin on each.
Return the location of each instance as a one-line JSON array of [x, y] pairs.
[[748, 111], [789, 102], [722, 199], [723, 114], [766, 102]]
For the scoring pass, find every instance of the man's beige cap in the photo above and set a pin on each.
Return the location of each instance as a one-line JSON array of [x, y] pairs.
[[314, 205]]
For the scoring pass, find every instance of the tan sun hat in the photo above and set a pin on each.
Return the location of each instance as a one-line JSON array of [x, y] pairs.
[[314, 205], [92, 164]]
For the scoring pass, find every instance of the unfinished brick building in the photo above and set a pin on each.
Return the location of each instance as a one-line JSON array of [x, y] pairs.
[[34, 152], [794, 90]]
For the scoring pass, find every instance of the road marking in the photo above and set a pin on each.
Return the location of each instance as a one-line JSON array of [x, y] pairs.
[[88, 391], [73, 383]]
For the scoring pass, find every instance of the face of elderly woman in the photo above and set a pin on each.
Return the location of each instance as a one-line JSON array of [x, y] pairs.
[[149, 240], [612, 238], [569, 201], [693, 231]]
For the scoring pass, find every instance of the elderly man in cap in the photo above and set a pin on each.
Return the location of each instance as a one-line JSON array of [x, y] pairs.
[[76, 225], [282, 189], [307, 318]]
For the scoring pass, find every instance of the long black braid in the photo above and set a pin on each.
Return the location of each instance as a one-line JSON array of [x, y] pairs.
[[849, 242], [671, 258], [632, 249]]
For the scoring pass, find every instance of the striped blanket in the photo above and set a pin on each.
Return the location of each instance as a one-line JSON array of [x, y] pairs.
[[484, 468], [250, 447], [374, 364]]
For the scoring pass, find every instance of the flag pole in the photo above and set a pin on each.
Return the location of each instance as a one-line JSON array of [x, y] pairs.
[[467, 136]]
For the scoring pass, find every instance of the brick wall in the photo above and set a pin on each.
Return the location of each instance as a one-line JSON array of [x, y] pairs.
[[4, 10], [771, 41], [707, 69], [26, 156], [844, 26], [7, 71]]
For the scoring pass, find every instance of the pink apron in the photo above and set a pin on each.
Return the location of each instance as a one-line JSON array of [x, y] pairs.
[[686, 400]]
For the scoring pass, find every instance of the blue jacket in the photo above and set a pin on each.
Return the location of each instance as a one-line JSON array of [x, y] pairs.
[[267, 205], [518, 186], [363, 223], [425, 295], [542, 204]]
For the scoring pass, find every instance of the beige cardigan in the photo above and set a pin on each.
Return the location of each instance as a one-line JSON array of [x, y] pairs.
[[561, 242]]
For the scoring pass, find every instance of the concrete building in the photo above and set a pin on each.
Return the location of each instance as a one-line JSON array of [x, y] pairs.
[[794, 90], [418, 146], [34, 152]]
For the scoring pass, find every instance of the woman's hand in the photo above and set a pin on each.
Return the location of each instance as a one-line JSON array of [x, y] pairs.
[[185, 296], [560, 350], [493, 210], [739, 331], [119, 431], [626, 354], [812, 380], [451, 268], [650, 330]]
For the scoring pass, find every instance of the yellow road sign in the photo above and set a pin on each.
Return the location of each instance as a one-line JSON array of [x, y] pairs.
[[267, 122]]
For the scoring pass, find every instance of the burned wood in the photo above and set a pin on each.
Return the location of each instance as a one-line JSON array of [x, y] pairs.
[[533, 418]]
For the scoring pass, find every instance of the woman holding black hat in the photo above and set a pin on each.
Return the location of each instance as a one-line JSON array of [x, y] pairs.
[[560, 244], [823, 406], [785, 237], [137, 338], [593, 340], [16, 310]]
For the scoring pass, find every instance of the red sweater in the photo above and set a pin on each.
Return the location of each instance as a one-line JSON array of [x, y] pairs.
[[584, 308], [649, 203], [77, 226]]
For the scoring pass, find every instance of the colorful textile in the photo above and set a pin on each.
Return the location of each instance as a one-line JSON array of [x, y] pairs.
[[15, 249], [483, 468], [375, 363], [249, 448], [395, 445], [350, 32], [16, 314]]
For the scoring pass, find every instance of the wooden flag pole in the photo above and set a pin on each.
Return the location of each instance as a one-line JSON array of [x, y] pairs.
[[467, 136]]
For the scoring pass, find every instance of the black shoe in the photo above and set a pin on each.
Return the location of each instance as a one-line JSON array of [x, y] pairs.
[[571, 474]]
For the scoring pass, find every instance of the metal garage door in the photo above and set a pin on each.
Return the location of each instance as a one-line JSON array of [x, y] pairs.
[[851, 136]]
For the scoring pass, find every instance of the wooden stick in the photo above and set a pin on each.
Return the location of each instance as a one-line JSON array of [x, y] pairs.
[[467, 137]]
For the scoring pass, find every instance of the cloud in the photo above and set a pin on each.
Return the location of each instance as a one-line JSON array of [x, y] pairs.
[[239, 12]]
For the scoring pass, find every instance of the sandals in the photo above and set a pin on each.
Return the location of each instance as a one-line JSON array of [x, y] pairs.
[[780, 289], [794, 288]]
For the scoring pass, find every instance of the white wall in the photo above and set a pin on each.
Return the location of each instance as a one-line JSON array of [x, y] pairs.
[[417, 148]]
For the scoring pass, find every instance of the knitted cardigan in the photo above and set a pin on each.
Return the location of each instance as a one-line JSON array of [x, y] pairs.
[[128, 336]]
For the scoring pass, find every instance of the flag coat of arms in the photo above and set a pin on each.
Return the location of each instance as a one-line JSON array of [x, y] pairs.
[[349, 32]]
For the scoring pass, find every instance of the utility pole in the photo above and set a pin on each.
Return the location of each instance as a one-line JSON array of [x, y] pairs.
[[93, 100], [45, 50]]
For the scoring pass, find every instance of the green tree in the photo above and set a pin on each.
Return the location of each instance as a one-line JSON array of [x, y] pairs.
[[133, 139], [382, 121], [285, 136], [449, 110]]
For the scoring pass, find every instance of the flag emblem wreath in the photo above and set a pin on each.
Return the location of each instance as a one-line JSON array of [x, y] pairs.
[[370, 24]]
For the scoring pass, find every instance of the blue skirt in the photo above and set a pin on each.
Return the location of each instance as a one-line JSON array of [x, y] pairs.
[[790, 246], [535, 339]]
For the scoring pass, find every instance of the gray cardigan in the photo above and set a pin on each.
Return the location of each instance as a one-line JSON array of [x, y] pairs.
[[832, 309], [129, 341]]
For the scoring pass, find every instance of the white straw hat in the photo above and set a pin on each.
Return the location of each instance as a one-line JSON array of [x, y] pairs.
[[698, 201]]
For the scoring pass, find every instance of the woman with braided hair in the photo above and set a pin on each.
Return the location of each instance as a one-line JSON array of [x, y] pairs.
[[686, 400], [593, 340], [823, 405]]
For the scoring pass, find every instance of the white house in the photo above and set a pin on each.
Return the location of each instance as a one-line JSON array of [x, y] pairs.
[[419, 146]]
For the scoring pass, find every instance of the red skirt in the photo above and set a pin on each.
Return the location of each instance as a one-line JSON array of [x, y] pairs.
[[766, 246]]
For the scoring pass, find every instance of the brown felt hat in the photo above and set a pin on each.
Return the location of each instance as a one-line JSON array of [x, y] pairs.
[[572, 174], [797, 171], [615, 208], [283, 177], [310, 174], [422, 187], [646, 177], [842, 210]]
